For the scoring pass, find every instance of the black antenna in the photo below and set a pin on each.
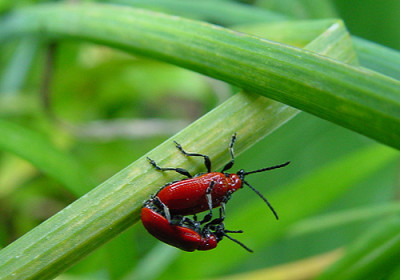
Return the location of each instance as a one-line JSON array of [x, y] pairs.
[[217, 227], [266, 169], [237, 241], [263, 198]]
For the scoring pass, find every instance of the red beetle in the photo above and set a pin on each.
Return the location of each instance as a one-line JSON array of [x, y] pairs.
[[182, 237], [204, 191], [187, 234]]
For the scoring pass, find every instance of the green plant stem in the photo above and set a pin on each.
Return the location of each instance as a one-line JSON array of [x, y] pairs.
[[361, 100], [373, 56], [301, 8], [379, 58], [114, 205], [209, 10]]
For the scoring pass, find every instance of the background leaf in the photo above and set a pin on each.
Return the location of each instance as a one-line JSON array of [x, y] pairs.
[[36, 149]]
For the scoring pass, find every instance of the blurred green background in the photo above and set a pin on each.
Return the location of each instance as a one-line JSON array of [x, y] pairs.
[[104, 109]]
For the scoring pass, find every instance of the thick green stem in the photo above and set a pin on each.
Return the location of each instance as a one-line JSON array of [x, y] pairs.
[[353, 97], [113, 206]]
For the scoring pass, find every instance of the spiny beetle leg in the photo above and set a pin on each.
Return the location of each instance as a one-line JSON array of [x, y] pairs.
[[230, 164], [164, 207], [207, 161], [208, 217], [182, 171]]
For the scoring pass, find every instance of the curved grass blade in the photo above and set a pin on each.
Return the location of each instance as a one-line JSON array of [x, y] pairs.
[[373, 256], [36, 149], [373, 56], [358, 99], [209, 10]]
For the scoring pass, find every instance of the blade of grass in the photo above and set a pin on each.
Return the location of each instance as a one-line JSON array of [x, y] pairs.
[[153, 263], [15, 73], [298, 270], [378, 58], [343, 218], [372, 55], [300, 8], [41, 153], [373, 256], [356, 98], [13, 172], [327, 37], [210, 10]]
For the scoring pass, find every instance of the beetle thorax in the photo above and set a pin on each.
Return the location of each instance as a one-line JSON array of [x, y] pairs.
[[234, 182]]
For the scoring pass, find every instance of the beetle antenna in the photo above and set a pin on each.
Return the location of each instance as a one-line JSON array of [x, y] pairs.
[[267, 168], [263, 198], [237, 241], [233, 231]]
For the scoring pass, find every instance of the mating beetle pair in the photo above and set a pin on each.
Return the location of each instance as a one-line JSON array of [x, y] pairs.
[[163, 214]]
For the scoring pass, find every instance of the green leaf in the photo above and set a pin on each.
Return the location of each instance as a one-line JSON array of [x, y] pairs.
[[301, 8], [41, 153], [373, 256], [378, 58], [151, 266], [327, 37], [355, 98], [343, 218], [209, 10], [373, 56], [15, 73]]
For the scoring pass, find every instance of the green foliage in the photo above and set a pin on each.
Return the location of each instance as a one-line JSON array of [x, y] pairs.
[[355, 98], [87, 110], [44, 156]]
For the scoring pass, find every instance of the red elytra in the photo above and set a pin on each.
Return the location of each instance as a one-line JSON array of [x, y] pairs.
[[188, 196], [182, 237]]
